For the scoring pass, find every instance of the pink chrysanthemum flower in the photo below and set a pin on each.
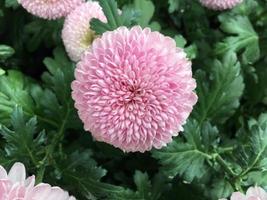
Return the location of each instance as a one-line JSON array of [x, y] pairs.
[[253, 193], [15, 186], [134, 89], [220, 4], [50, 9], [77, 35]]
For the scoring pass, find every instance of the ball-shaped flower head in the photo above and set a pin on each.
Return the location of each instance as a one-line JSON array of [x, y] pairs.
[[76, 34], [253, 193], [220, 4], [134, 89], [50, 9], [14, 185]]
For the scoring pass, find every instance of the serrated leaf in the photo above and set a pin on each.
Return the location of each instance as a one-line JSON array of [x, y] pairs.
[[80, 164], [245, 38], [188, 159], [251, 156], [143, 184], [43, 31], [22, 142], [220, 189], [219, 91], [55, 100], [14, 90]]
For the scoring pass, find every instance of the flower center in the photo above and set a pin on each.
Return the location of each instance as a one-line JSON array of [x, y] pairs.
[[88, 38], [131, 93]]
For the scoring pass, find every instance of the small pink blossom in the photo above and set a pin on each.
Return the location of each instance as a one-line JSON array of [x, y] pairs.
[[134, 89], [15, 186], [76, 34], [50, 9], [253, 193], [220, 4]]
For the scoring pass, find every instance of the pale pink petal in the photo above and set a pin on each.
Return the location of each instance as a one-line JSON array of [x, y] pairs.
[[15, 187], [50, 9], [76, 34], [253, 193], [3, 173], [238, 196], [257, 191], [17, 173], [29, 182], [41, 192], [57, 193], [220, 4]]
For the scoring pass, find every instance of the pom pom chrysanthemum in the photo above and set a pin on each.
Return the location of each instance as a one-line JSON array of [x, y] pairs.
[[77, 35], [253, 193], [220, 4], [50, 9], [134, 89], [14, 185]]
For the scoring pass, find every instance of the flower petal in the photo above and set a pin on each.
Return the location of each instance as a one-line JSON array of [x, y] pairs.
[[17, 173], [3, 173]]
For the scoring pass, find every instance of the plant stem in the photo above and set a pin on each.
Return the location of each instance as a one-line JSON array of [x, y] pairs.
[[225, 166], [233, 178]]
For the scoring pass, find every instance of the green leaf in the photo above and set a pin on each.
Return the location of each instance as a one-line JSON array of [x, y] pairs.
[[80, 164], [188, 159], [41, 31], [219, 91], [256, 91], [52, 104], [55, 100], [251, 157], [245, 38], [11, 3], [22, 142], [180, 41], [6, 52], [175, 5], [149, 190], [14, 90], [146, 8], [220, 189], [143, 184], [2, 72], [111, 11], [155, 26]]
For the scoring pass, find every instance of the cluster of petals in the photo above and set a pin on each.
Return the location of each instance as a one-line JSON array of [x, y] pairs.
[[50, 9], [253, 193], [220, 4], [76, 34], [134, 89], [15, 186]]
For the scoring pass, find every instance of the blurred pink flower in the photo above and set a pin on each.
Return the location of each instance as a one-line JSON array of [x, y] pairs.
[[220, 4], [77, 35], [50, 9], [253, 193], [134, 89], [15, 186]]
